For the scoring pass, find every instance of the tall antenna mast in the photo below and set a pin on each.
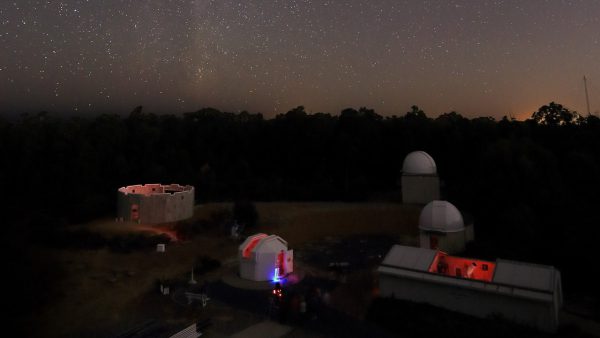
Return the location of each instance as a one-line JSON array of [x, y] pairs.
[[587, 98]]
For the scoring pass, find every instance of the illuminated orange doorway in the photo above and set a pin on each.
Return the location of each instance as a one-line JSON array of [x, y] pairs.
[[135, 214]]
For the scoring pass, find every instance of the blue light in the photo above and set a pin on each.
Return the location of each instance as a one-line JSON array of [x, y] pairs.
[[276, 277]]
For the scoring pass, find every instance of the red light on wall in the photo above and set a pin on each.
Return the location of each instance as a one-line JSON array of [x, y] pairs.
[[252, 244], [280, 264], [460, 267]]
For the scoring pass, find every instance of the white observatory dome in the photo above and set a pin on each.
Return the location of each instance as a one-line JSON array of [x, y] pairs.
[[419, 163], [441, 216]]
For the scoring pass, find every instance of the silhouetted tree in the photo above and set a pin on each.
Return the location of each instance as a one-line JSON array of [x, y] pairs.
[[555, 114], [415, 113], [296, 113], [136, 112]]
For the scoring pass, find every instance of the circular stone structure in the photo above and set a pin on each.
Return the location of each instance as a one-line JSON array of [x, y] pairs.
[[419, 163], [155, 203]]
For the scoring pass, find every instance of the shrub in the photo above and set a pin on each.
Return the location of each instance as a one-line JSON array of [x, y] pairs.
[[245, 213], [205, 264]]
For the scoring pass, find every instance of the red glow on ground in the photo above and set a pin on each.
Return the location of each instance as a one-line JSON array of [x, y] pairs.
[[252, 244], [293, 278], [469, 268], [159, 230]]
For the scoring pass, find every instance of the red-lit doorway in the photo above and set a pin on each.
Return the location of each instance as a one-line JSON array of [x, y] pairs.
[[281, 263], [135, 214]]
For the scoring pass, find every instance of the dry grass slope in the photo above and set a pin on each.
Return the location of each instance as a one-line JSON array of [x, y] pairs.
[[103, 291]]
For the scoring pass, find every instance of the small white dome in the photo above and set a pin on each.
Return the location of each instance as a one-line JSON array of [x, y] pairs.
[[419, 163], [441, 216]]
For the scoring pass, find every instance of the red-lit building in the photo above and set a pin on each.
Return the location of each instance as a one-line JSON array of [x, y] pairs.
[[155, 203], [527, 293], [265, 257]]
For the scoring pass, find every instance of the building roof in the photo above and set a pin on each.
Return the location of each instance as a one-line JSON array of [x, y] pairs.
[[526, 275], [408, 257], [271, 243], [441, 216], [262, 243], [419, 163], [516, 279]]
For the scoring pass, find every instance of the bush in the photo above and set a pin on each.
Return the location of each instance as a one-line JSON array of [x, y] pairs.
[[245, 213], [205, 264], [189, 229]]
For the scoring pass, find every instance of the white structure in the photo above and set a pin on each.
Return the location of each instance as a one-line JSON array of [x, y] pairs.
[[420, 182], [192, 281], [155, 203], [527, 293], [191, 331], [441, 226], [265, 257], [161, 247]]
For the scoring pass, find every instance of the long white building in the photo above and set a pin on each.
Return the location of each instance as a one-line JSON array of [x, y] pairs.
[[527, 293]]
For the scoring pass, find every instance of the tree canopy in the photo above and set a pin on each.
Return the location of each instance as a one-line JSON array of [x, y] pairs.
[[555, 114]]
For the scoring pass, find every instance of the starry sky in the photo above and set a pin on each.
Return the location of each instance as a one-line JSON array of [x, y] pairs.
[[478, 57]]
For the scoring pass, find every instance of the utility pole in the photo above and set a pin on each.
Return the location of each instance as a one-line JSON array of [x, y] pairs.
[[587, 98]]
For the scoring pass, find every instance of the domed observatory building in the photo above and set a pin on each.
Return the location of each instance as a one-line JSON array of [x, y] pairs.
[[442, 227], [265, 257], [420, 182]]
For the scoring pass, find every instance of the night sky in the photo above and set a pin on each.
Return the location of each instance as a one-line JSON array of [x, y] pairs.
[[479, 58]]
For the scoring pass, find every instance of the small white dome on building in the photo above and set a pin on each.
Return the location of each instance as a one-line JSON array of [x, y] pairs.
[[419, 163], [441, 216], [265, 257]]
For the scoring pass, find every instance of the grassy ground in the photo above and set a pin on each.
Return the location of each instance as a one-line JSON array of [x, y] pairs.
[[105, 292], [301, 222]]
